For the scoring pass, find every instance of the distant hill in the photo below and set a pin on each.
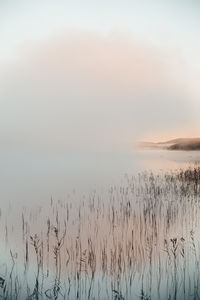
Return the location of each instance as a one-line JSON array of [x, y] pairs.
[[181, 140], [187, 144]]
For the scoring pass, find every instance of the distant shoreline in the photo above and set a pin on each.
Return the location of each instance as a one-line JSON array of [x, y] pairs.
[[183, 144]]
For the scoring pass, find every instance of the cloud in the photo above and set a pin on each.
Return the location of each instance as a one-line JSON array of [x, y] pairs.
[[87, 91]]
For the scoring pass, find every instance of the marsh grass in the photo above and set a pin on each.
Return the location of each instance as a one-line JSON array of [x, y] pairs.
[[140, 240]]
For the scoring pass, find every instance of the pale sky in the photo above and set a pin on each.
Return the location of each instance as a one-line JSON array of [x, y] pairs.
[[98, 74]]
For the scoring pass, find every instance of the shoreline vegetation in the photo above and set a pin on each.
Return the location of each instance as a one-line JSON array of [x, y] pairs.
[[185, 144], [139, 241]]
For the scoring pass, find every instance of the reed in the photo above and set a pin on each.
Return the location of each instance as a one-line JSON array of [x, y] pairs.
[[139, 240]]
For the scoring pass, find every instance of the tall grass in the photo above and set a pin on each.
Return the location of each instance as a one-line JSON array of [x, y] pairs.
[[140, 240]]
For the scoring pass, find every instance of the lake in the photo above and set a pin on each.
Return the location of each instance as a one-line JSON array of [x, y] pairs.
[[100, 225], [33, 178]]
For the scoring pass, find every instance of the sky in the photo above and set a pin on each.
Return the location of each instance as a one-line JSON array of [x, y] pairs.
[[98, 75]]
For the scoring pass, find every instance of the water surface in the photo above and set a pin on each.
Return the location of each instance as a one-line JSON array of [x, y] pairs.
[[100, 225]]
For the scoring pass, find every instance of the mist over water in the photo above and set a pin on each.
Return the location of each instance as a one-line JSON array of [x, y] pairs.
[[84, 214], [31, 178]]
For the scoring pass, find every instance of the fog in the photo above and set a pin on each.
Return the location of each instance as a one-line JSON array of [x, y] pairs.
[[86, 91]]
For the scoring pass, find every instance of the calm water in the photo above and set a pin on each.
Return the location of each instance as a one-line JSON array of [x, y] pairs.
[[88, 226], [33, 178]]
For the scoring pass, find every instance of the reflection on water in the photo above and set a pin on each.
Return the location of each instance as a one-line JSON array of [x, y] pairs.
[[135, 238]]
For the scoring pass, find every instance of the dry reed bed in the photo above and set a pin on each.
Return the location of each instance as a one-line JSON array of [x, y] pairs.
[[137, 241]]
